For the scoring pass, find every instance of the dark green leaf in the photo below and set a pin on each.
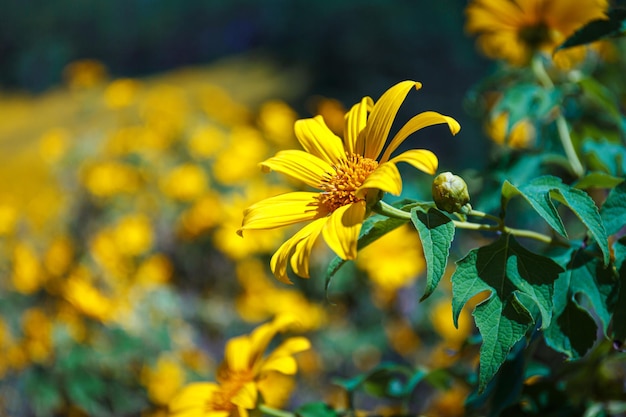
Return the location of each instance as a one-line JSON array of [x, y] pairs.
[[585, 282], [541, 193], [619, 316], [598, 29], [602, 97], [436, 232], [613, 211], [598, 180], [316, 409], [521, 286]]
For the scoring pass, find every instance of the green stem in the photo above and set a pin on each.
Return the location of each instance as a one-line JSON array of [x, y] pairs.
[[387, 210], [561, 123], [275, 412]]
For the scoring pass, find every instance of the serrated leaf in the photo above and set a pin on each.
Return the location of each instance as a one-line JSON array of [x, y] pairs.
[[521, 285], [598, 29], [613, 211], [598, 180], [436, 231], [316, 409], [585, 282], [541, 193]]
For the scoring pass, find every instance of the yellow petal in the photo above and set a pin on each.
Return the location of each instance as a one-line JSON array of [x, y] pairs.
[[317, 139], [382, 117], [422, 120], [291, 346], [281, 210], [422, 159], [299, 165], [386, 178], [276, 388], [342, 229], [356, 120], [285, 365], [192, 399], [298, 249], [246, 396], [238, 354]]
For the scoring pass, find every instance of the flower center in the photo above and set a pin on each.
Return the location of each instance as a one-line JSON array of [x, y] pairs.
[[535, 35], [340, 189], [221, 400]]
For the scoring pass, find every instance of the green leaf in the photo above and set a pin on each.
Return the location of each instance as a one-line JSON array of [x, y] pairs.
[[598, 179], [585, 282], [521, 286], [527, 101], [613, 211], [598, 29], [316, 409], [540, 194], [602, 96], [373, 228], [619, 316], [436, 231], [605, 155]]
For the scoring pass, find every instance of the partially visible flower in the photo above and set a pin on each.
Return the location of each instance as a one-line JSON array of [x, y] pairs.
[[163, 380], [244, 374], [521, 135], [350, 174], [515, 30]]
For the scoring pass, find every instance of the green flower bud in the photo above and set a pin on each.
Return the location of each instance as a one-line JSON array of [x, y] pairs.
[[450, 193]]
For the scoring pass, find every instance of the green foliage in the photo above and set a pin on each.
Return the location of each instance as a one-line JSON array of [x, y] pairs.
[[521, 285], [527, 101], [613, 211], [541, 193], [598, 29], [436, 232]]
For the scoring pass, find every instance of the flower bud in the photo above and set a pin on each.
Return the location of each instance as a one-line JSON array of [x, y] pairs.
[[450, 193]]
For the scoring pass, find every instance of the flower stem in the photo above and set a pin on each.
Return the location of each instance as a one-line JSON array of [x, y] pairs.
[[387, 210], [275, 412], [561, 123]]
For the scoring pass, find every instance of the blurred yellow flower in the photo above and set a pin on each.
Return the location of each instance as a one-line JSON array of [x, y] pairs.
[[121, 93], [245, 373], [185, 182], [276, 119], [393, 261], [239, 161], [515, 30], [87, 299], [521, 135], [205, 213], [156, 270], [8, 218], [37, 329], [351, 175], [106, 179], [164, 380], [27, 276], [206, 141], [84, 73], [441, 319], [133, 234], [53, 144], [59, 256]]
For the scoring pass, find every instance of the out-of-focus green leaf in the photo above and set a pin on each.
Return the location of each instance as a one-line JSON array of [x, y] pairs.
[[527, 101], [540, 194], [44, 392], [316, 409], [436, 232], [601, 96], [613, 211], [619, 316], [599, 180], [386, 380], [607, 156], [521, 286], [573, 330], [598, 29]]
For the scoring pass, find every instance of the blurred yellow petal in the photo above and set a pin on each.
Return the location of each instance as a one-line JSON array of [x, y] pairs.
[[422, 120], [298, 248], [285, 365], [238, 353], [317, 139], [281, 210], [288, 348], [342, 229], [356, 120], [383, 114], [246, 396], [422, 159], [193, 399], [276, 388], [299, 165], [385, 178]]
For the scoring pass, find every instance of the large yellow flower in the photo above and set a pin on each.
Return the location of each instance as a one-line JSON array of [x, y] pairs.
[[514, 30], [243, 374], [351, 174]]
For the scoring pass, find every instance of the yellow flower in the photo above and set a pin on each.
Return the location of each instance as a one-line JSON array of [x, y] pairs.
[[163, 380], [514, 30], [521, 135], [244, 374], [350, 174]]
